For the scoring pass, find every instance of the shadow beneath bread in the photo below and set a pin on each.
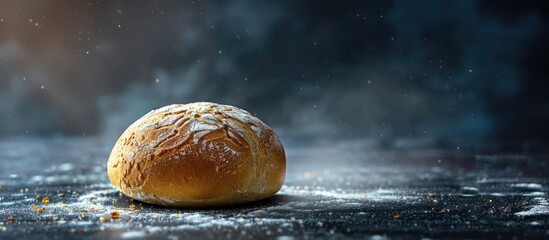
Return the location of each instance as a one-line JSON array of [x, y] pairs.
[[275, 200], [272, 201]]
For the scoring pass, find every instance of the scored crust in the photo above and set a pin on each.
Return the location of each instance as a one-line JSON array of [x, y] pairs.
[[198, 154]]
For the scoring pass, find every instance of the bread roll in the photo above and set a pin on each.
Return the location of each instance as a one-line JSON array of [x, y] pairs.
[[198, 155]]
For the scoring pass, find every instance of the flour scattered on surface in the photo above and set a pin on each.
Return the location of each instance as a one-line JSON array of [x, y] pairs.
[[527, 185], [133, 234], [540, 206]]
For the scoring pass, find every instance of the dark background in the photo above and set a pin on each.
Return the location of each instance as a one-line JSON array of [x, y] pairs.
[[376, 69]]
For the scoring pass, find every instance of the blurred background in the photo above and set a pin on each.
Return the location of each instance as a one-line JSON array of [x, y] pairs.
[[343, 69]]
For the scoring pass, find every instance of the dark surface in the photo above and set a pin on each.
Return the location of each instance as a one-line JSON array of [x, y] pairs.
[[341, 189]]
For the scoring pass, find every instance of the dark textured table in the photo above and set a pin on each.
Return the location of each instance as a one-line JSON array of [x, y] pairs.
[[407, 188]]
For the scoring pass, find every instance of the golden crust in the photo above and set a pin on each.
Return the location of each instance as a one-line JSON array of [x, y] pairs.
[[197, 155]]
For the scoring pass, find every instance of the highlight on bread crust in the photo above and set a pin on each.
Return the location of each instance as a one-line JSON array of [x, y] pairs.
[[196, 155]]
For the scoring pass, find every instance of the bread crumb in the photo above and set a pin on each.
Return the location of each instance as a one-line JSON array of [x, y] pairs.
[[10, 218], [46, 200], [115, 215], [38, 209], [103, 219], [396, 217]]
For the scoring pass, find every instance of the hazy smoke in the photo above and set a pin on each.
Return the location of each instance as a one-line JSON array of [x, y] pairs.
[[375, 69]]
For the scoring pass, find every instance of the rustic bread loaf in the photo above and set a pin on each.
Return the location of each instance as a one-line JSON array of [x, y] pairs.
[[197, 155]]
